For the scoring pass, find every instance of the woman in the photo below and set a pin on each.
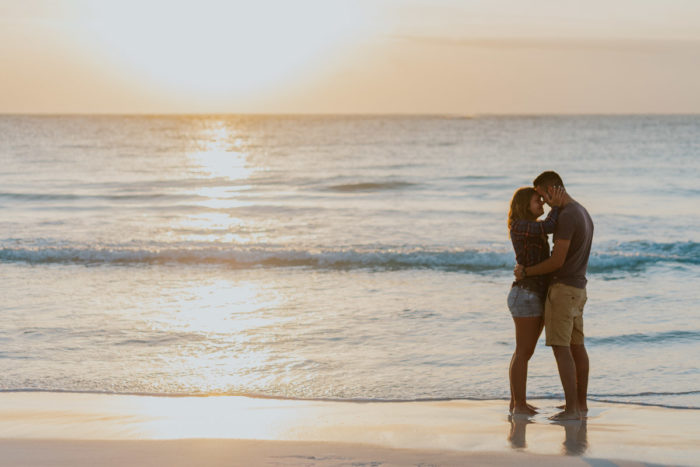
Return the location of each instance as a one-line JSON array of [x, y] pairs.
[[526, 297]]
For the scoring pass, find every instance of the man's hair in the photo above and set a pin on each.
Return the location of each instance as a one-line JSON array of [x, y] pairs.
[[547, 179]]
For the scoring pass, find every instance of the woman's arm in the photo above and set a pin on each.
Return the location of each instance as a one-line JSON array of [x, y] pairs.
[[537, 228], [547, 226]]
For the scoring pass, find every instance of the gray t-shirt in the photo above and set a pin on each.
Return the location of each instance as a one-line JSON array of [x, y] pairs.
[[576, 225]]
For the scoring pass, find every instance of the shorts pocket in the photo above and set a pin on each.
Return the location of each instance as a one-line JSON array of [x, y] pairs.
[[561, 295], [567, 299]]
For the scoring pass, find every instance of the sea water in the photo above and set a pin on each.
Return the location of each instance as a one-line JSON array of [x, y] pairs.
[[335, 257]]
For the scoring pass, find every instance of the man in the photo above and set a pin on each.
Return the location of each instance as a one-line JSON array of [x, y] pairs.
[[563, 310]]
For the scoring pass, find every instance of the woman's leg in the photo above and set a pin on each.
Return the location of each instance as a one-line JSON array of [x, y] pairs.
[[527, 331]]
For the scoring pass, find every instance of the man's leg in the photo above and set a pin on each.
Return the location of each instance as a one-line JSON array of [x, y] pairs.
[[580, 356], [567, 374], [578, 351], [558, 319]]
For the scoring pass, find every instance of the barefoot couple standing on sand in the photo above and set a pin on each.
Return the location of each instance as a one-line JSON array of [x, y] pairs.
[[549, 290]]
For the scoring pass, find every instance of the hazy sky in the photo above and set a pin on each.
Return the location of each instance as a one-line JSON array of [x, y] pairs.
[[350, 56]]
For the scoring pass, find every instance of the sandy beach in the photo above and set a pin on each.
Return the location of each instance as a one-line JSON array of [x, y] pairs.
[[81, 429]]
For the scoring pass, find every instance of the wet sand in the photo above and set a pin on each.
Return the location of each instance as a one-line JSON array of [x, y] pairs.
[[82, 429]]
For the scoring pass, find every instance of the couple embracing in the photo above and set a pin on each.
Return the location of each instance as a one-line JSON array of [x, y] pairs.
[[549, 290]]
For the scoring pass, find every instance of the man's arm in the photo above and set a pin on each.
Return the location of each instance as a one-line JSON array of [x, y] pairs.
[[551, 264]]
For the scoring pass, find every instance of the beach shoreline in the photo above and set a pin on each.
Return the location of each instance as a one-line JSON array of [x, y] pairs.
[[72, 428]]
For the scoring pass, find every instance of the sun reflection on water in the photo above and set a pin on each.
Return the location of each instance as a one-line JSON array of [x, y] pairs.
[[221, 158], [221, 307], [221, 154], [222, 324], [218, 326], [222, 163]]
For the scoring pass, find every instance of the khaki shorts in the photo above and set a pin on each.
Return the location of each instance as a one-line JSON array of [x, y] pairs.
[[563, 315]]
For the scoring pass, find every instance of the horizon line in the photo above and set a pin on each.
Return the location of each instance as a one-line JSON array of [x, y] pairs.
[[347, 114]]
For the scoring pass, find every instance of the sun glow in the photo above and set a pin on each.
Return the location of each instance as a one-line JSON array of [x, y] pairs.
[[212, 47]]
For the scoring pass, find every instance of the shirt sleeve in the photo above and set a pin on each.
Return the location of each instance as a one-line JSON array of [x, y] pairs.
[[565, 227], [537, 228]]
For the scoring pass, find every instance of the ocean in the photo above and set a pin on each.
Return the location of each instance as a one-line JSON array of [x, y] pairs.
[[335, 257]]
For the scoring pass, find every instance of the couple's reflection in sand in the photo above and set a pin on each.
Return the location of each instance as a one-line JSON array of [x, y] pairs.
[[575, 435]]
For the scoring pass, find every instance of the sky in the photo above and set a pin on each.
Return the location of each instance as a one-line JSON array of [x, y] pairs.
[[463, 57]]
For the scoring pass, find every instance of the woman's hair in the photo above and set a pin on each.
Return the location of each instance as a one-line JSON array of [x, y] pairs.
[[520, 205]]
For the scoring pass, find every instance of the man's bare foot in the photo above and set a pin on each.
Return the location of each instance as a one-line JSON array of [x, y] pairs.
[[565, 415], [583, 409]]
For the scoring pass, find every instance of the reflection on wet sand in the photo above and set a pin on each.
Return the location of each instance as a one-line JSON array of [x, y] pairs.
[[516, 436], [576, 438], [575, 435]]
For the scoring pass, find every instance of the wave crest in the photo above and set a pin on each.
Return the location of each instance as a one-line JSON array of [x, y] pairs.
[[249, 257], [625, 258]]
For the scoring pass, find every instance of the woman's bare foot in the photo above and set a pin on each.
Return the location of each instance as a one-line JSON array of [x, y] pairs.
[[532, 408], [523, 410], [565, 415]]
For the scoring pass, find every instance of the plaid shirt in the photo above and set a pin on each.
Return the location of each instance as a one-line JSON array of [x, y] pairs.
[[532, 247]]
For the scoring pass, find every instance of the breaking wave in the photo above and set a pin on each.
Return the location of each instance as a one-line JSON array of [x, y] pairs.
[[626, 257]]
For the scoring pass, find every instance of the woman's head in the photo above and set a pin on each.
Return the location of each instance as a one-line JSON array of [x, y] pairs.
[[526, 204]]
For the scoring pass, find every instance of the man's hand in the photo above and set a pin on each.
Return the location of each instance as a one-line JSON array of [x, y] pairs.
[[519, 272], [556, 197]]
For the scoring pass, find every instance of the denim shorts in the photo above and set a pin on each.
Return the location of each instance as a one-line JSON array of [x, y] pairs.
[[524, 303]]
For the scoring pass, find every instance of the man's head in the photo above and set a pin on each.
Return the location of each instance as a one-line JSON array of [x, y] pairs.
[[546, 181]]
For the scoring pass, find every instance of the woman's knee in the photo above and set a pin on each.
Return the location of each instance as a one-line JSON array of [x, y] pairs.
[[524, 352]]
